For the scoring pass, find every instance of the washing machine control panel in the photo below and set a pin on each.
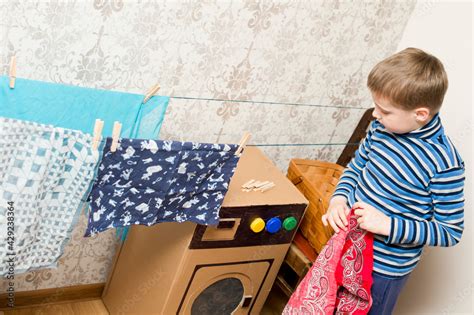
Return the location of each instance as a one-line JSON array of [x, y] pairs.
[[274, 224], [250, 226]]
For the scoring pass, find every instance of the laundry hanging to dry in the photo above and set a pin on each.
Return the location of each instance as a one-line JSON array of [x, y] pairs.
[[77, 108], [150, 181], [45, 174]]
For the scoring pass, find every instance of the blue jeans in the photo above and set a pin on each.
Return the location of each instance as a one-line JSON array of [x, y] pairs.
[[385, 293]]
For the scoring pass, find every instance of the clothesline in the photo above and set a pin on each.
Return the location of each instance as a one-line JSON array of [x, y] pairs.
[[298, 144], [124, 99], [278, 103], [103, 140], [264, 102]]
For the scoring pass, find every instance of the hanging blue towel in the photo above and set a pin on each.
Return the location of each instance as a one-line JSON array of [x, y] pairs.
[[77, 108], [146, 182], [45, 175]]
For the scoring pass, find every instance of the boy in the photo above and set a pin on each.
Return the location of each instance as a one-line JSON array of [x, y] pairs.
[[407, 179]]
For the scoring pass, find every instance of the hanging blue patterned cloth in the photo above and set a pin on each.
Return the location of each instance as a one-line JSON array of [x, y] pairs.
[[77, 108], [147, 181]]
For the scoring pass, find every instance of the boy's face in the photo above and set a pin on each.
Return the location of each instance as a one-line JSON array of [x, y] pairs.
[[397, 120]]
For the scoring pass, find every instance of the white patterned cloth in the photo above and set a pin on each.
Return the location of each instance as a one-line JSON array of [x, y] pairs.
[[46, 172]]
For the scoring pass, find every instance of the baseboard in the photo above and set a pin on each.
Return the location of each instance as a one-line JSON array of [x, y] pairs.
[[54, 295]]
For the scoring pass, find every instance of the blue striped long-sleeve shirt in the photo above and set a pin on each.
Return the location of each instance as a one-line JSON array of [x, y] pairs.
[[417, 179]]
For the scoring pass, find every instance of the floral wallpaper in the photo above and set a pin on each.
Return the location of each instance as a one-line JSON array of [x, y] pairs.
[[298, 67]]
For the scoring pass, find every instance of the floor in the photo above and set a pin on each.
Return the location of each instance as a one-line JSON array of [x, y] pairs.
[[275, 303], [90, 307]]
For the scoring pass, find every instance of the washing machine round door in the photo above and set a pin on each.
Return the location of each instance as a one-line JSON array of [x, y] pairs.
[[221, 297]]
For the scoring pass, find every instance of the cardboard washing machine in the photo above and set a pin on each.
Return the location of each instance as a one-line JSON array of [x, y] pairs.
[[185, 268]]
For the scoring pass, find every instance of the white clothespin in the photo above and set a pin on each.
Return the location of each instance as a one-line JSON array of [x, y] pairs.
[[247, 184], [115, 136], [256, 185], [243, 143], [151, 92], [12, 73], [99, 125], [259, 185], [267, 187]]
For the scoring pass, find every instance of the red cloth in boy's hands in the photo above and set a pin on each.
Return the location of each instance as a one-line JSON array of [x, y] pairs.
[[340, 278]]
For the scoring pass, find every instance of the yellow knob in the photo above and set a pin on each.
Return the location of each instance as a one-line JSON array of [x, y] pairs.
[[257, 225]]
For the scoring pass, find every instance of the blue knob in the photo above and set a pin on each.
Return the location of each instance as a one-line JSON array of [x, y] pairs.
[[273, 225]]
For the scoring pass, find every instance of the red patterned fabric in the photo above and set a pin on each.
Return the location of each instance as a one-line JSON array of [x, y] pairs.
[[340, 279]]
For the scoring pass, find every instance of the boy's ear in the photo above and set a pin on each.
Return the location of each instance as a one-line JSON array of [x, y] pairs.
[[422, 114]]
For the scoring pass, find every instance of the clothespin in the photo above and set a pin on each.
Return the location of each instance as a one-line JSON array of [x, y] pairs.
[[257, 186], [115, 136], [151, 92], [267, 187], [247, 184], [99, 125], [243, 143], [12, 73]]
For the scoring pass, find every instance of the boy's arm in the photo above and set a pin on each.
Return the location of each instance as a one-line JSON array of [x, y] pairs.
[[447, 224], [349, 178]]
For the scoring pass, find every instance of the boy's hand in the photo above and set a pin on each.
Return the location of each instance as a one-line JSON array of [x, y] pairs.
[[371, 219], [337, 214]]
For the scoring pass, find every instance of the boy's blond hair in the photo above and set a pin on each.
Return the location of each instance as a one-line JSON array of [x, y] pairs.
[[411, 79]]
